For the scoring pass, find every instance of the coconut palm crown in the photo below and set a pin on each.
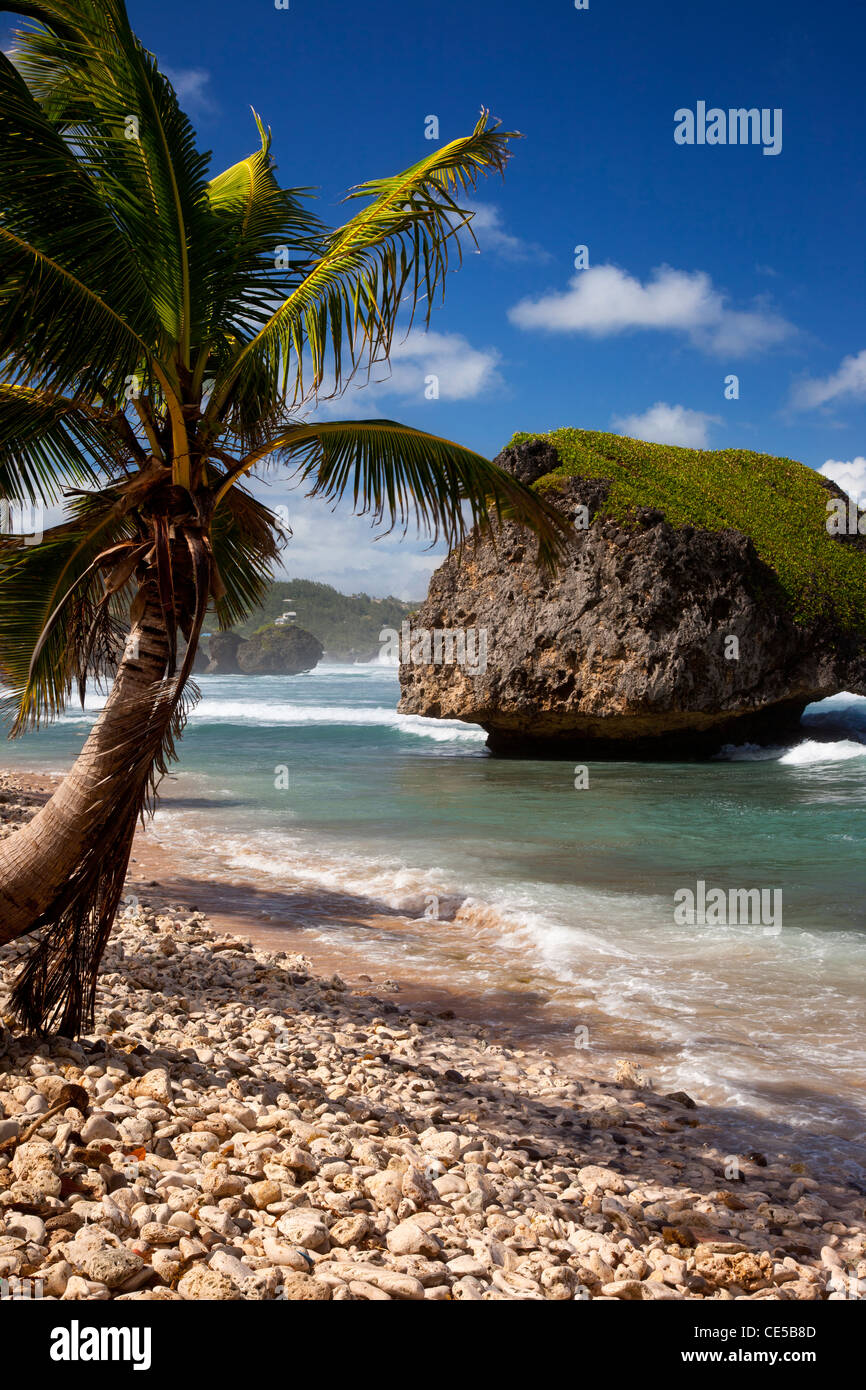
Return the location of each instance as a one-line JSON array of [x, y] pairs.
[[163, 332]]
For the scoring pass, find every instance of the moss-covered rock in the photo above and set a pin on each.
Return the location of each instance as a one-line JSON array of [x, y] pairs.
[[701, 601], [273, 651], [279, 651], [781, 505]]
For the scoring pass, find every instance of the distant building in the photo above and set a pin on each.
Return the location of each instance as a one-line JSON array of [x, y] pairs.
[[286, 619]]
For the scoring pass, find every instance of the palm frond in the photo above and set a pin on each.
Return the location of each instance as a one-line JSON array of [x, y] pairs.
[[246, 542], [349, 301], [75, 310], [48, 599], [397, 474], [265, 233], [76, 20], [108, 99], [49, 442]]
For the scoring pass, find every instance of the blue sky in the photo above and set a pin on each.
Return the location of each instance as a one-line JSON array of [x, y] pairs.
[[704, 261]]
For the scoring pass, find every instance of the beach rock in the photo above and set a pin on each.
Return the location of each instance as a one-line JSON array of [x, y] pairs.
[[467, 1289], [559, 1282], [217, 1183], [444, 1144], [55, 1278], [97, 1127], [622, 652], [223, 654], [417, 1187], [304, 1228], [300, 1288], [154, 1085], [264, 1194], [36, 1165], [351, 1230], [167, 1265], [156, 1233], [464, 1265], [58, 1091], [285, 651], [682, 1098], [80, 1288], [629, 1289], [30, 1228], [410, 1239], [595, 1179], [202, 1282], [234, 1269], [386, 1189], [287, 1255], [298, 1160], [389, 1281], [746, 1271], [112, 1267]]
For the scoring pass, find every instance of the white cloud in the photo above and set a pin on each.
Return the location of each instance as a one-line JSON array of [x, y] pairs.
[[492, 236], [848, 381], [339, 548], [193, 88], [335, 547], [604, 300], [668, 424], [850, 477], [462, 371]]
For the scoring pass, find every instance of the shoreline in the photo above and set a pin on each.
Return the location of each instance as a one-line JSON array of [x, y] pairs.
[[341, 931], [237, 906], [239, 1126]]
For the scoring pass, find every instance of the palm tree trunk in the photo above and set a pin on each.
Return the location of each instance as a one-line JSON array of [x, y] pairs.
[[63, 872]]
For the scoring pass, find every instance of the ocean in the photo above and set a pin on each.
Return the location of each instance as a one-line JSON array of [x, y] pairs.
[[517, 885]]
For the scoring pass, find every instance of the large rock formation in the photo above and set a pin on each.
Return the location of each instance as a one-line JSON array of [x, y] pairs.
[[223, 652], [275, 651], [627, 650], [280, 651]]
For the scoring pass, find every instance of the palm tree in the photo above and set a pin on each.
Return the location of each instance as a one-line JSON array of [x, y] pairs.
[[162, 334]]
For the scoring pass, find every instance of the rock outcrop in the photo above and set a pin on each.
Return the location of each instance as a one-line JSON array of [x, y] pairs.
[[223, 652], [275, 651], [280, 651], [652, 640]]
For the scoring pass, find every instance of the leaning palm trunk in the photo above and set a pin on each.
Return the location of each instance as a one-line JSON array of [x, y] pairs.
[[63, 873], [159, 343]]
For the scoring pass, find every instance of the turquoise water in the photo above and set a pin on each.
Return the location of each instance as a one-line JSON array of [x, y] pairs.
[[559, 899]]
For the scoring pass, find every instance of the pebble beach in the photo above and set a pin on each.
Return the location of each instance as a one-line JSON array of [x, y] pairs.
[[239, 1127]]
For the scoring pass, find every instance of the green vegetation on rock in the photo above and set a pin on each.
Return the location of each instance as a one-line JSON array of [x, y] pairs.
[[279, 650], [779, 503]]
